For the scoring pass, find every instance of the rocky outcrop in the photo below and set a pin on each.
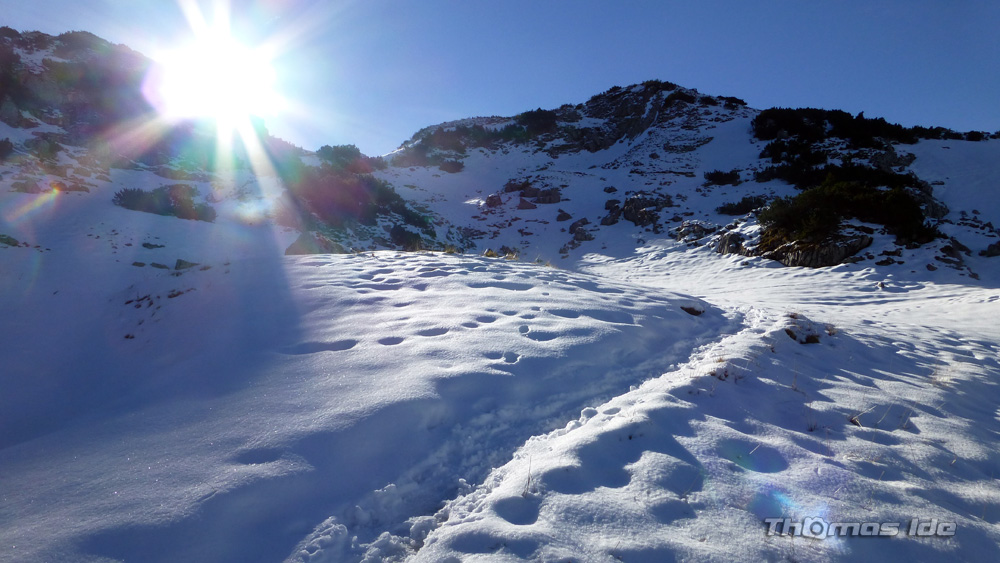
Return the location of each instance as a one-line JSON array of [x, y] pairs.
[[644, 210], [808, 255], [314, 243], [614, 209], [549, 195], [819, 255], [991, 251], [693, 230], [731, 243]]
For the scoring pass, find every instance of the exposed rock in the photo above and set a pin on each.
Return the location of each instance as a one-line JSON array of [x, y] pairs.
[[614, 212], [640, 211], [889, 159], [184, 264], [550, 195], [314, 243], [827, 253], [525, 204], [493, 200], [730, 243], [577, 225], [28, 187], [694, 230], [991, 250], [563, 216], [522, 186]]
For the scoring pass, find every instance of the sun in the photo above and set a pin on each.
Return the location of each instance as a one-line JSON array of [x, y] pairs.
[[214, 77]]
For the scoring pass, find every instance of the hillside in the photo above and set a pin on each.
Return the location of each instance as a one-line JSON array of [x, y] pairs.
[[567, 335]]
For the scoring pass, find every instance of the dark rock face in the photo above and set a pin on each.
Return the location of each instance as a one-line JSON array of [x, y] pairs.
[[642, 210], [550, 195], [493, 200], [693, 230], [614, 208], [579, 233], [314, 243], [577, 225], [563, 216], [828, 253], [730, 243], [807, 255], [525, 204], [991, 250]]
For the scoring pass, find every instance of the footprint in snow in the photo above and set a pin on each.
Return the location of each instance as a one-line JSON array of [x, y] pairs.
[[433, 331]]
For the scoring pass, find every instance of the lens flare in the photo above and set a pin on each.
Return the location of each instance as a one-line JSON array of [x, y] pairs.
[[215, 78]]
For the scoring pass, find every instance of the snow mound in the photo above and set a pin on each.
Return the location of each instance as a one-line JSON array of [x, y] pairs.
[[766, 423], [342, 394]]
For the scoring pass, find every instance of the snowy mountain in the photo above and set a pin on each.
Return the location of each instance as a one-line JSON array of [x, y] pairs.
[[567, 335]]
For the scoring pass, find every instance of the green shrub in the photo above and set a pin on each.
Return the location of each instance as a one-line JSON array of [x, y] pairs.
[[676, 97], [742, 207], [731, 102], [658, 85], [816, 213], [719, 177], [405, 238], [452, 166], [174, 200], [812, 125], [804, 176], [538, 121]]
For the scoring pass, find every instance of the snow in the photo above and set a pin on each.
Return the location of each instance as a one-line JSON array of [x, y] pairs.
[[264, 379], [644, 399]]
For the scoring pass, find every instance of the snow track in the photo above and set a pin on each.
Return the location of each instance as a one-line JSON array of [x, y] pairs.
[[362, 397]]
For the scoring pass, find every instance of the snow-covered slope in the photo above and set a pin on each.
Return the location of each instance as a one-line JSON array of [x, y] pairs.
[[181, 390]]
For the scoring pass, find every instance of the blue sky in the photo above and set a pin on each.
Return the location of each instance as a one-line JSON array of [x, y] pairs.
[[373, 72]]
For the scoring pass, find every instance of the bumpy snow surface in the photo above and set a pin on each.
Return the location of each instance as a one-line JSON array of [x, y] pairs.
[[646, 399], [221, 414]]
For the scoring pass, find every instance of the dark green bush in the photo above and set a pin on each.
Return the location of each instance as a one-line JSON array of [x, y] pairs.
[[719, 177], [793, 151], [538, 121], [72, 42], [405, 238], [816, 214], [174, 200], [658, 85], [452, 166], [812, 125], [742, 207], [336, 197], [678, 96], [804, 176], [731, 102]]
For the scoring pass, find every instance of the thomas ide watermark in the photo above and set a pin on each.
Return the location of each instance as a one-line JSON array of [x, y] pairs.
[[818, 528]]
